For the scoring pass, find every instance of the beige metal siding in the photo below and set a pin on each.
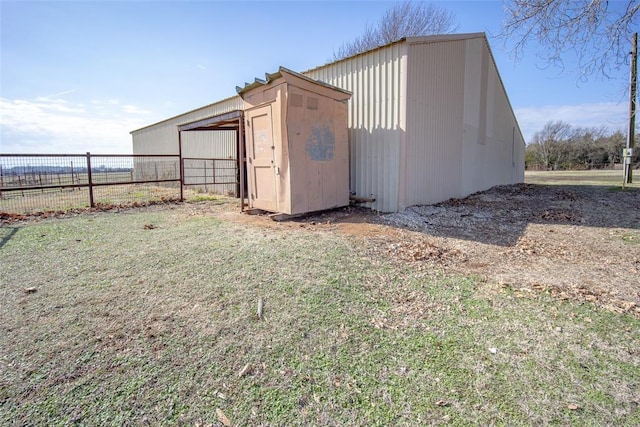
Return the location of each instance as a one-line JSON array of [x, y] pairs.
[[210, 145], [435, 90], [493, 152], [162, 138], [462, 135], [375, 119]]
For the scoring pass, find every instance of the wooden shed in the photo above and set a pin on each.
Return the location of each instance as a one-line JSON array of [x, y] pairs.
[[297, 150]]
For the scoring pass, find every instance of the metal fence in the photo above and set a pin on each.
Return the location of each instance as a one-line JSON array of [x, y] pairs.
[[46, 182], [218, 175]]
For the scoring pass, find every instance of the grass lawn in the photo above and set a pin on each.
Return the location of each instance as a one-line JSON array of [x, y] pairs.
[[587, 177], [147, 317]]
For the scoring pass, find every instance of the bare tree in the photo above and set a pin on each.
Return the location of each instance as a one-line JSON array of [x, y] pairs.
[[403, 20], [596, 31], [549, 144], [560, 146]]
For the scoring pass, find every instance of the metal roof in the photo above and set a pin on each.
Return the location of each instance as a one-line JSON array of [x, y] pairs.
[[436, 38], [268, 78], [226, 121]]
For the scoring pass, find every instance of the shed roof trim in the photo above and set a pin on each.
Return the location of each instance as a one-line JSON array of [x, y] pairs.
[[213, 104], [221, 121], [284, 71]]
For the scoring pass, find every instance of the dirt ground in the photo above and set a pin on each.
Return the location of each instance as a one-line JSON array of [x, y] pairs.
[[577, 242]]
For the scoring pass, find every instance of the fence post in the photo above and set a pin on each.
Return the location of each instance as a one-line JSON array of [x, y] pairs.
[[204, 164], [90, 180], [20, 185], [181, 160]]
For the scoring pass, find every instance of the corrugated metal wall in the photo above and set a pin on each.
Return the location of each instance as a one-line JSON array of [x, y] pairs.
[[493, 146], [462, 135], [162, 138], [210, 145], [435, 91], [376, 119]]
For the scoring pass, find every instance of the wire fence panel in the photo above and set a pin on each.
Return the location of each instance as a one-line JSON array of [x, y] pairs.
[[46, 182], [218, 176]]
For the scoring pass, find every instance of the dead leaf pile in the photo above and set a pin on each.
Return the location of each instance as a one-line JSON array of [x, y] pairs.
[[576, 242], [424, 251], [560, 215]]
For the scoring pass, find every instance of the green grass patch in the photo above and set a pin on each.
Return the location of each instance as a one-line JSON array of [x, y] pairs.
[[203, 198], [609, 178], [130, 325]]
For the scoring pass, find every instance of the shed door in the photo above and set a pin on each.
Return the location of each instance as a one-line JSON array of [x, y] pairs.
[[261, 156]]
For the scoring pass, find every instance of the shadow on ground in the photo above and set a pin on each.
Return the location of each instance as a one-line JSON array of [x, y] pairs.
[[6, 233], [501, 215]]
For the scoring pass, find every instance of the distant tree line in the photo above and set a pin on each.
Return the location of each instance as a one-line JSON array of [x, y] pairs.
[[58, 169], [561, 146]]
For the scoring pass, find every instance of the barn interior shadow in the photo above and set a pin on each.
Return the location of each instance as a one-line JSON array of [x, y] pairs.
[[501, 215]]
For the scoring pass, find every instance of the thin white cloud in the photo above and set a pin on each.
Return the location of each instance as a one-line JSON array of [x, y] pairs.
[[59, 94], [58, 105], [610, 115], [55, 126], [201, 67]]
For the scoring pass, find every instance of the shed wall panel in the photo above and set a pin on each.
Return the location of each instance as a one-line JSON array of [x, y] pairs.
[[375, 112], [435, 91]]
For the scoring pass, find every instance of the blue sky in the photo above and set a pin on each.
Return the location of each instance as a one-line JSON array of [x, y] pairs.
[[79, 76]]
